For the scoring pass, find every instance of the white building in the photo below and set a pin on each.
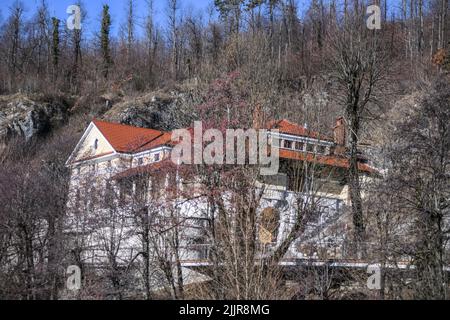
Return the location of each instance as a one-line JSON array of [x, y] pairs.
[[118, 170]]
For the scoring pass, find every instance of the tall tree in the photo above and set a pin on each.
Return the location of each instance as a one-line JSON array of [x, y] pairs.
[[420, 160], [357, 58], [14, 31], [76, 39], [130, 28], [55, 46], [150, 37], [172, 15], [43, 38], [104, 39]]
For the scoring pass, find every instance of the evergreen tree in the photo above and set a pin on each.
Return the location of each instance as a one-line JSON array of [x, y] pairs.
[[106, 25]]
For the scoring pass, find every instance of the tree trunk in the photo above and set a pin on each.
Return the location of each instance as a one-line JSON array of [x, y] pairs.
[[354, 181]]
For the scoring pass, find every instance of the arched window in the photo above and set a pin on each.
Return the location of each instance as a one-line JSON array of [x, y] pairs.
[[95, 144]]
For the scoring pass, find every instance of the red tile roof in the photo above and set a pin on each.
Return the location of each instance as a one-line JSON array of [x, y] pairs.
[[95, 157], [129, 139], [164, 166], [152, 167], [334, 161], [285, 126], [164, 139]]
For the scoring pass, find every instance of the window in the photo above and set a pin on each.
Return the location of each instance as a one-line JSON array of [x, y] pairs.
[[299, 145], [140, 161], [310, 147], [321, 149], [156, 185], [96, 144], [109, 193], [125, 191], [91, 199], [141, 189], [157, 157], [322, 214], [287, 144]]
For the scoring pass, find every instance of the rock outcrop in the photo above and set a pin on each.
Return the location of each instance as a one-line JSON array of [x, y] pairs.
[[34, 116], [156, 110], [26, 117]]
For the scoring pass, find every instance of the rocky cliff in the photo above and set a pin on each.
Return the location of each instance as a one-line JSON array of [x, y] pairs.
[[159, 110], [28, 117], [35, 116]]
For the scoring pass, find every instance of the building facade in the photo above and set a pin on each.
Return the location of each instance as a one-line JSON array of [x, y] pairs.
[[127, 197]]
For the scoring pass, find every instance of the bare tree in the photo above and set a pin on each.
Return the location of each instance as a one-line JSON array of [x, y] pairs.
[[357, 55], [420, 168], [172, 15]]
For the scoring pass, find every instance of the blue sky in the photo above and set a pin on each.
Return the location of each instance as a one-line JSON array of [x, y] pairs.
[[58, 8], [91, 23]]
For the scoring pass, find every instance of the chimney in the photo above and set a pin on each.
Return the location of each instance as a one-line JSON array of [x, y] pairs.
[[339, 132], [258, 116]]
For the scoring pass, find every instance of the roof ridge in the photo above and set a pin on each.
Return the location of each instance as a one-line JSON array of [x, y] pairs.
[[309, 132], [295, 124], [125, 125]]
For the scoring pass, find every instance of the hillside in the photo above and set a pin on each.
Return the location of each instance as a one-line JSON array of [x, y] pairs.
[[355, 107]]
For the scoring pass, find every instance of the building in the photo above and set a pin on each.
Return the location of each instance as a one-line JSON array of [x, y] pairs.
[[122, 176]]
